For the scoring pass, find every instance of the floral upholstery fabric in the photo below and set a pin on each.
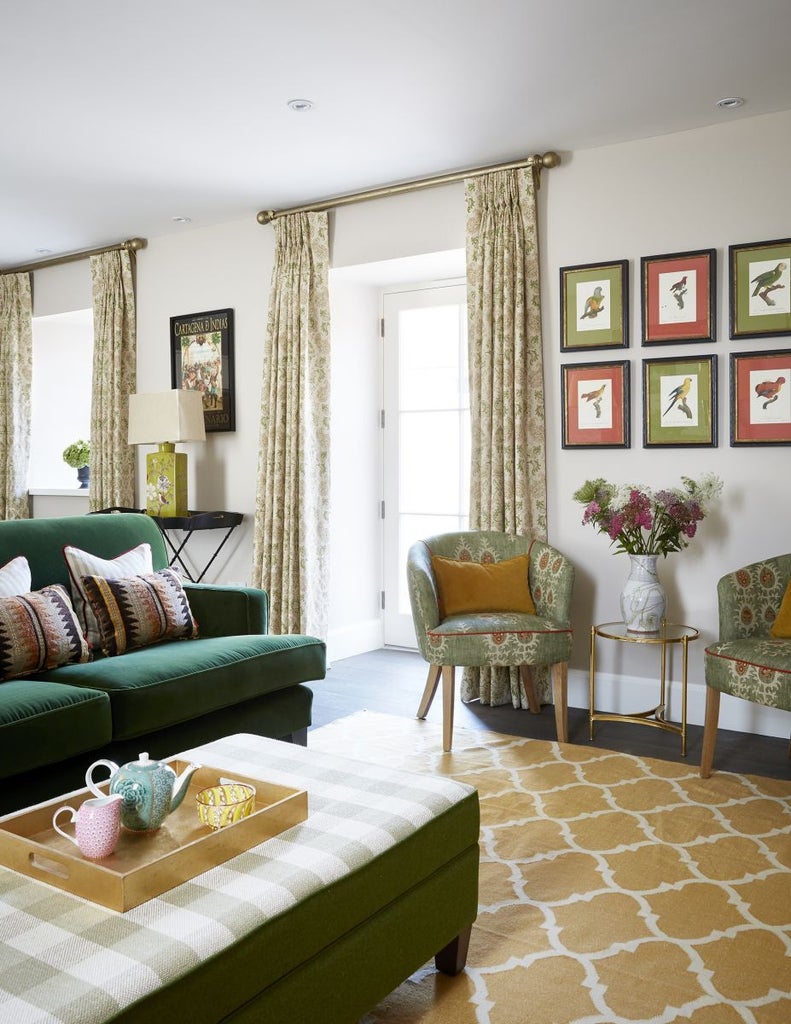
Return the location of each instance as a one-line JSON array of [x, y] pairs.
[[747, 662], [503, 638]]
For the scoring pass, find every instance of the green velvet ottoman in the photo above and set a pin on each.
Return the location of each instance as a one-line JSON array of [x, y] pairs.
[[315, 925]]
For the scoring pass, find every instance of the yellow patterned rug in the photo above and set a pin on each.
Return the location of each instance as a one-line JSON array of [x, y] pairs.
[[614, 889]]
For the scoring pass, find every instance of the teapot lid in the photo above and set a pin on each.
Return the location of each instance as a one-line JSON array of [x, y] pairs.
[[143, 761]]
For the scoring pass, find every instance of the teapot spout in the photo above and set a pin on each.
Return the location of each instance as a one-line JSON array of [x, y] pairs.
[[181, 784]]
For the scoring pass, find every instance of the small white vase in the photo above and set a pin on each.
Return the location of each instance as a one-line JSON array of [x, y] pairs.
[[643, 598]]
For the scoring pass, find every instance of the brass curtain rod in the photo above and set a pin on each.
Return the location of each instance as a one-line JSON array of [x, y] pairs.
[[132, 244], [537, 162]]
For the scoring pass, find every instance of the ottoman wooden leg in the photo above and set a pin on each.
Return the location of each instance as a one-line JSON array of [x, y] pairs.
[[452, 958]]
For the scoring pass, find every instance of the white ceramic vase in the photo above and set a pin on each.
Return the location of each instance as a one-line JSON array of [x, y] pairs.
[[643, 598]]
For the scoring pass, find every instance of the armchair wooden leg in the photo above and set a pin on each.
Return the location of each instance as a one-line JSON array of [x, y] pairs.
[[526, 673], [448, 679], [709, 730], [430, 690], [560, 693]]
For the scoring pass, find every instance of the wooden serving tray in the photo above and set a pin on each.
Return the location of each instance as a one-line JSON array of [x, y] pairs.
[[145, 864]]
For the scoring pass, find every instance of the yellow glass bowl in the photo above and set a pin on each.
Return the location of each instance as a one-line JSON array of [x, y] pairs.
[[223, 805]]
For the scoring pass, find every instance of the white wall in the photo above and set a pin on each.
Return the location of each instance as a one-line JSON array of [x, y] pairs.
[[695, 190]]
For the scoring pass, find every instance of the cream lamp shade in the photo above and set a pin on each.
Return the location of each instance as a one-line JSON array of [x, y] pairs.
[[164, 419]]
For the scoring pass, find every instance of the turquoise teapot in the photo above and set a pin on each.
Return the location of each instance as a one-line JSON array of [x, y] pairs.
[[149, 790]]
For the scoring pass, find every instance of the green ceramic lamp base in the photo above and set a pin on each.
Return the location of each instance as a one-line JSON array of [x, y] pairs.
[[166, 482]]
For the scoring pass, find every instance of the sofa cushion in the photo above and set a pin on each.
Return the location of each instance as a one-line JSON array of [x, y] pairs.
[[156, 687], [82, 563], [139, 610], [39, 631], [15, 577], [43, 722]]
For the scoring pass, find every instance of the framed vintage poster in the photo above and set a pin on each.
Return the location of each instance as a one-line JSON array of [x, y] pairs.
[[201, 359], [760, 289], [680, 402], [761, 398], [678, 297], [595, 403], [594, 306]]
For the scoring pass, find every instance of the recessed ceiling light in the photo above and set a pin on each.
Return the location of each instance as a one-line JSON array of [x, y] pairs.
[[300, 106], [181, 220], [730, 102]]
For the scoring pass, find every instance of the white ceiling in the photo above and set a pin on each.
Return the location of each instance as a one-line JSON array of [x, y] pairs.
[[118, 116]]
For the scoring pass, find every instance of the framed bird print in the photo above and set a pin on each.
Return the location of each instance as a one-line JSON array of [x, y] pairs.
[[595, 403], [680, 403], [760, 289], [760, 398], [594, 306], [678, 297]]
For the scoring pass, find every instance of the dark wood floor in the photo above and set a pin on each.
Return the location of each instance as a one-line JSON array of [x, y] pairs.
[[392, 680]]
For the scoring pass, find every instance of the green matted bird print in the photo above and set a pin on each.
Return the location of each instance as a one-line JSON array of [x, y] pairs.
[[760, 289], [594, 306], [680, 402]]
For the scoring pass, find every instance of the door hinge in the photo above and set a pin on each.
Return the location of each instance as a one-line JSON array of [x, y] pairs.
[[382, 597], [381, 509], [381, 327], [382, 419]]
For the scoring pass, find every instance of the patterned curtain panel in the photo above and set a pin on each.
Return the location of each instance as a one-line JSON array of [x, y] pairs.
[[114, 377], [16, 374], [508, 471], [290, 558]]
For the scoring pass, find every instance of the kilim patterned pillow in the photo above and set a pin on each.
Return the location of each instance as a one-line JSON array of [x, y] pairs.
[[139, 610], [82, 563], [39, 630]]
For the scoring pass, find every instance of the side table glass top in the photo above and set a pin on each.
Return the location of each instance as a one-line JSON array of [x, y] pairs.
[[669, 633]]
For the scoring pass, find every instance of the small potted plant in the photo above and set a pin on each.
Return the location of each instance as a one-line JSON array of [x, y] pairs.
[[78, 456]]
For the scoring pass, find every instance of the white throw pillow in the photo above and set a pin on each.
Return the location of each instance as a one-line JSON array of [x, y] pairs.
[[135, 562], [15, 577]]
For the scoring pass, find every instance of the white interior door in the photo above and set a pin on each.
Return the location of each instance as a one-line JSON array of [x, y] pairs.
[[426, 449]]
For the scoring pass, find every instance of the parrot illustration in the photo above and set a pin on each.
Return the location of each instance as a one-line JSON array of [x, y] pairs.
[[594, 304], [770, 390], [595, 397], [678, 396], [767, 282], [679, 290]]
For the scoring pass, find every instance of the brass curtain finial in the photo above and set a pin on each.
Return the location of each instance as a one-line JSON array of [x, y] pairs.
[[537, 162]]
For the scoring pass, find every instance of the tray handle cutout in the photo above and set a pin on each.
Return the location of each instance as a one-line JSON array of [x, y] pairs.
[[48, 866]]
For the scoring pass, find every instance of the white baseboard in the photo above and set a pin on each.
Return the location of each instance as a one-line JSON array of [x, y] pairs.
[[635, 694], [356, 639]]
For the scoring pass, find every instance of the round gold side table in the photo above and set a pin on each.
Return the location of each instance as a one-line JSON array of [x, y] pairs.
[[669, 633]]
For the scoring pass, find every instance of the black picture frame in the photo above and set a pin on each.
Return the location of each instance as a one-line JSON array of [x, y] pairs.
[[759, 275], [596, 403], [594, 306], [761, 398], [202, 359], [680, 402]]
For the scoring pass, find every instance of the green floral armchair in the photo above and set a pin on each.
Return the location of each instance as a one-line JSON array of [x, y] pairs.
[[493, 638], [747, 661]]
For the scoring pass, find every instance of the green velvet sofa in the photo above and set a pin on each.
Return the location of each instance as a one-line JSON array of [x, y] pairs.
[[160, 699]]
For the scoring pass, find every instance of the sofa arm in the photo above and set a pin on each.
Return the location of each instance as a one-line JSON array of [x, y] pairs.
[[228, 611]]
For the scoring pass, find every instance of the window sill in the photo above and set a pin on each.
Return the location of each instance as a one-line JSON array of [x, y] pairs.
[[55, 492]]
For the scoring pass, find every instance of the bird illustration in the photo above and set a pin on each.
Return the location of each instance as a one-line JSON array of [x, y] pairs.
[[679, 290], [770, 390], [594, 304], [678, 396], [767, 282], [595, 397]]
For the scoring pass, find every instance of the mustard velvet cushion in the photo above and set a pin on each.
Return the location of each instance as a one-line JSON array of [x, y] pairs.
[[139, 610], [781, 630], [466, 587], [39, 631]]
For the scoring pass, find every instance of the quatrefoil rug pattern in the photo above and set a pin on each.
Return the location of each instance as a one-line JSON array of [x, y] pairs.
[[614, 889]]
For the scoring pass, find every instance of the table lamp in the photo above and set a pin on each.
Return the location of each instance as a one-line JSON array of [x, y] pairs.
[[164, 419]]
